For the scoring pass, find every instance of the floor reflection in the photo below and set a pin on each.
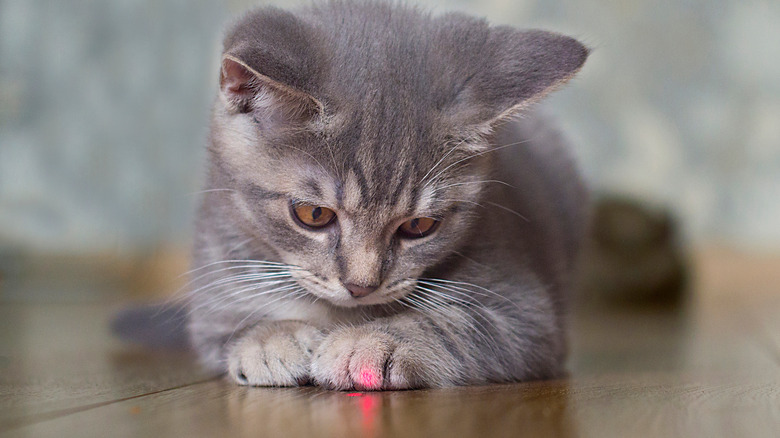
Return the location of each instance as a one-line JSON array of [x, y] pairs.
[[532, 409]]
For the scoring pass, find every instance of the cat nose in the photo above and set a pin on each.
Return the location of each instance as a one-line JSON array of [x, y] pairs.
[[358, 291]]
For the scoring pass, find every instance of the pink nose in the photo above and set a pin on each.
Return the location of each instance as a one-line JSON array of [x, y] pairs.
[[359, 291]]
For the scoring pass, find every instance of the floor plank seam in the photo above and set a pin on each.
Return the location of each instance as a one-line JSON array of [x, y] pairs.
[[17, 424]]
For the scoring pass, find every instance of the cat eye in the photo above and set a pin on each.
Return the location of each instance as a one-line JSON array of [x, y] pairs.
[[418, 227], [313, 216]]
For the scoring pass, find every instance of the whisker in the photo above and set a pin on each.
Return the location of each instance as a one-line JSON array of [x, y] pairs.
[[260, 281], [270, 270], [212, 304], [509, 210], [439, 297], [333, 158], [478, 154], [455, 299], [436, 307], [469, 138], [230, 251], [471, 300], [240, 323], [284, 290], [439, 189], [261, 270], [459, 254], [230, 293], [252, 262], [309, 155], [239, 278], [184, 294], [456, 286], [210, 191]]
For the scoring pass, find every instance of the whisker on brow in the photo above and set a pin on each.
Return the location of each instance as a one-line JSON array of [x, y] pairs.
[[439, 189], [467, 139], [478, 154]]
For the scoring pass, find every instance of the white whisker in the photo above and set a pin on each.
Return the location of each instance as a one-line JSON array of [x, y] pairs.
[[242, 243], [469, 138], [460, 286], [210, 191], [439, 299], [231, 293], [262, 271], [471, 260], [258, 263], [264, 307], [439, 189], [240, 278], [248, 297], [478, 154], [509, 210]]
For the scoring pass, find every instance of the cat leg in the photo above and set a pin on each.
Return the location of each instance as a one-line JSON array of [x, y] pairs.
[[455, 346], [389, 353], [273, 353]]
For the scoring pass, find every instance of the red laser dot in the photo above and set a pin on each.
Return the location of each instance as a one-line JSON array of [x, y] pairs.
[[354, 394], [369, 379]]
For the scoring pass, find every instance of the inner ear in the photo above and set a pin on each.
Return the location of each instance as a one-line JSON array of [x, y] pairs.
[[244, 90], [238, 84]]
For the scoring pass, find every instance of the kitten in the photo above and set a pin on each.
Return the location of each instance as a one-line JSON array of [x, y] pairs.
[[376, 217]]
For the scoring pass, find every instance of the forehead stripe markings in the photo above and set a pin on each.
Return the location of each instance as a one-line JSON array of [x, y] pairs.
[[258, 192], [361, 180], [402, 183]]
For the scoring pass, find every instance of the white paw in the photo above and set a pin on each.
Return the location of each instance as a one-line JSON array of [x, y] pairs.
[[274, 354], [367, 358]]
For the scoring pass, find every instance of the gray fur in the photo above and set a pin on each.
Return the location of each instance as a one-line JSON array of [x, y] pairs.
[[383, 114]]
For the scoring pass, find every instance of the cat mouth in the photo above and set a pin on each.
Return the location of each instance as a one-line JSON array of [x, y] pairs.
[[341, 296]]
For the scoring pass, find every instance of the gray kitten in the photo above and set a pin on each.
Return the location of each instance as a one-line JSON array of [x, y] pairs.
[[376, 216]]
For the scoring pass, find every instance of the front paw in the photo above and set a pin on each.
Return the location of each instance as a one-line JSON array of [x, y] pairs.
[[276, 353], [370, 358]]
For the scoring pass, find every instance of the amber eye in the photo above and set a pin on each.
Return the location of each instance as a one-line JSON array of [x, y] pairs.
[[313, 216], [418, 227]]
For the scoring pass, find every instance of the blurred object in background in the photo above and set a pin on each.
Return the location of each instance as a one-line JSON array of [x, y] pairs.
[[633, 255]]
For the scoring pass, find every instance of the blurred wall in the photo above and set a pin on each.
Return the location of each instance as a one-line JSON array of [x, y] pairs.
[[104, 111]]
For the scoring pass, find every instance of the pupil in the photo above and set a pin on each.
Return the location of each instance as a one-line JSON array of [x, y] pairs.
[[316, 213], [414, 224]]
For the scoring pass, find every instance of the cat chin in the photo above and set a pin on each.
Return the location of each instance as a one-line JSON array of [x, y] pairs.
[[348, 302]]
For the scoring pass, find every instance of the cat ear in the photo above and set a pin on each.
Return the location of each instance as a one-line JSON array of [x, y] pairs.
[[517, 69], [270, 67], [245, 90]]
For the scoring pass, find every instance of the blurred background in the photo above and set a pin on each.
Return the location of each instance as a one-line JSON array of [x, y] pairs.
[[104, 112]]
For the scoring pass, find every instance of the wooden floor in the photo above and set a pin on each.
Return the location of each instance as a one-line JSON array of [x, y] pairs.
[[709, 368]]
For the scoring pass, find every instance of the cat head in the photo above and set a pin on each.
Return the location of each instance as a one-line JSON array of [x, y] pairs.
[[356, 138]]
